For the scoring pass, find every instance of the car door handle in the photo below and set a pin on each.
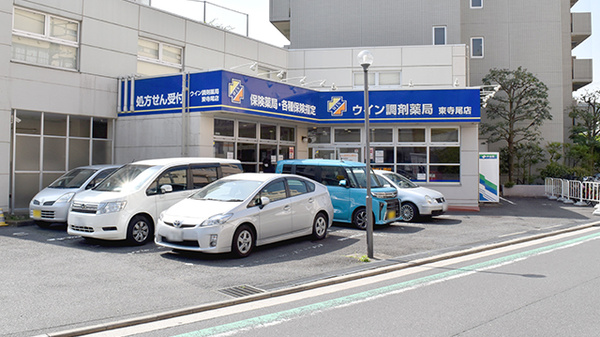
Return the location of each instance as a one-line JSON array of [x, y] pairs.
[[311, 199], [287, 207]]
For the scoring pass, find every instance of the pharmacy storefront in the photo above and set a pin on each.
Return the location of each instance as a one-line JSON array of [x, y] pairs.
[[431, 136]]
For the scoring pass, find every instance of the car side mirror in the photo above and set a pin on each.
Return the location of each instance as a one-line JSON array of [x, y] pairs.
[[264, 201], [343, 183], [166, 188], [387, 185]]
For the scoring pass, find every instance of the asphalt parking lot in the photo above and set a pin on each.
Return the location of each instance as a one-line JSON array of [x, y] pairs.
[[87, 281]]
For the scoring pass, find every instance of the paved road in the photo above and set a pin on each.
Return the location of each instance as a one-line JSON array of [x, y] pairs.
[[542, 288], [54, 282]]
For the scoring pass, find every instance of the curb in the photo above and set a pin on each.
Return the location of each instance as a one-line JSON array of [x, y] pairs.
[[317, 284]]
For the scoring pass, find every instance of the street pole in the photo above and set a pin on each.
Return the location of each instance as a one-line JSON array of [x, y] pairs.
[[366, 59]]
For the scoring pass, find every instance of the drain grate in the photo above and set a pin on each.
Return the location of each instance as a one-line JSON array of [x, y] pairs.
[[241, 291]]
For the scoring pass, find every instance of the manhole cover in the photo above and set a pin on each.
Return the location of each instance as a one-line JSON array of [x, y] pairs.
[[241, 291]]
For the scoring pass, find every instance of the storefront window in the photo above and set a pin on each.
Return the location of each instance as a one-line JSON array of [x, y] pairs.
[[79, 126], [223, 127], [319, 135], [321, 154], [439, 135], [411, 135], [445, 155], [413, 172], [100, 128], [268, 157], [382, 135], [247, 154], [247, 130], [351, 154], [268, 132], [439, 173], [411, 154], [287, 134], [48, 144], [55, 125], [383, 155], [287, 152], [347, 135], [224, 150], [29, 122]]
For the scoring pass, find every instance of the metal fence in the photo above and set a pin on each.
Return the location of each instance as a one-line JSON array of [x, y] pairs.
[[580, 193]]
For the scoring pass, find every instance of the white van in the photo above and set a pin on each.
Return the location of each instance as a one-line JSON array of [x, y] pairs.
[[127, 204]]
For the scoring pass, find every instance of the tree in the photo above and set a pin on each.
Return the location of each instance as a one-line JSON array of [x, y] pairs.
[[555, 151], [586, 128], [527, 155], [516, 112]]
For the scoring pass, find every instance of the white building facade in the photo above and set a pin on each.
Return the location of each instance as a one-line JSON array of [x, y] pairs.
[[67, 69]]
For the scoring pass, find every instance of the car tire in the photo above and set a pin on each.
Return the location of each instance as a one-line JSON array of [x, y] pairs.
[[409, 212], [320, 227], [359, 218], [43, 224], [140, 230], [243, 241]]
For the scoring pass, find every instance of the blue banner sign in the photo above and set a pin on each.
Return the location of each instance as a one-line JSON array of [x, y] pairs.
[[232, 92]]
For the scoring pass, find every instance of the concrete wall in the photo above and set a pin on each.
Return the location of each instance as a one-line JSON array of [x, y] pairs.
[[109, 32], [424, 66], [352, 23], [534, 35]]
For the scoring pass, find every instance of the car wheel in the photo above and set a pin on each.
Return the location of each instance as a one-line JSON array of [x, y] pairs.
[[243, 241], [43, 224], [409, 212], [319, 227], [359, 218], [140, 230]]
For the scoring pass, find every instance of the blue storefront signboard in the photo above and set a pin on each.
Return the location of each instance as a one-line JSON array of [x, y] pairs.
[[232, 92]]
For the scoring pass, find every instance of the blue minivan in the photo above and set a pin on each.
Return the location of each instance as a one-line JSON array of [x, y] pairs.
[[346, 182]]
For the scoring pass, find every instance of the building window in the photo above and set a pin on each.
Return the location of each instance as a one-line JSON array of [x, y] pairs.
[[476, 3], [257, 150], [439, 35], [44, 39], [47, 145], [423, 154], [388, 79], [476, 47], [157, 58]]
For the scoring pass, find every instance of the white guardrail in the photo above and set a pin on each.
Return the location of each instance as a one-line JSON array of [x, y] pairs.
[[580, 193]]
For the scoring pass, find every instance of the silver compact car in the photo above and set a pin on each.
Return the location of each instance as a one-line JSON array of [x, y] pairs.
[[241, 211], [415, 200], [51, 205]]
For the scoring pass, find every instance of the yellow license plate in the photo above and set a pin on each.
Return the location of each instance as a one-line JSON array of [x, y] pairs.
[[391, 214], [37, 213]]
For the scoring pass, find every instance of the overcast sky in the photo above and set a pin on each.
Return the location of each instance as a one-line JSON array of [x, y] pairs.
[[261, 29]]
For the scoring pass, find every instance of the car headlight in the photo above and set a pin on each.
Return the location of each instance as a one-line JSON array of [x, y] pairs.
[[428, 199], [66, 197], [111, 207], [216, 220]]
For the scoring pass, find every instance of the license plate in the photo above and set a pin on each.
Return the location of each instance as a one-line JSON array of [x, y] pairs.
[[37, 213], [391, 214]]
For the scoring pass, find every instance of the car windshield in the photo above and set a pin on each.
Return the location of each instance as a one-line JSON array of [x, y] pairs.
[[73, 179], [128, 178], [360, 177], [228, 190], [400, 180]]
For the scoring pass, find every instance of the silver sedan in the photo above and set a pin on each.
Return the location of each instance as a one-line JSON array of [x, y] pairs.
[[239, 212]]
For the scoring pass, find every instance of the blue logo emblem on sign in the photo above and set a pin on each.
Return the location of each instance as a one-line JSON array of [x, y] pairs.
[[337, 106], [236, 91]]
